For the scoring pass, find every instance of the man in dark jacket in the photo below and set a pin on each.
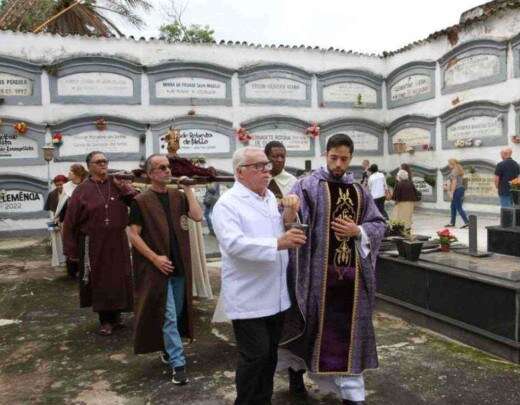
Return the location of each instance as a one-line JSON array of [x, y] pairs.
[[505, 171]]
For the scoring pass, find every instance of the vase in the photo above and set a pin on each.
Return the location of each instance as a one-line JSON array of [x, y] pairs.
[[515, 197], [412, 250], [445, 248]]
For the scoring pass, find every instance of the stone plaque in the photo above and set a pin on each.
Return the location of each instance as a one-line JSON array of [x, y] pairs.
[[480, 185], [426, 190], [475, 128], [363, 141], [14, 146], [106, 141], [414, 137], [275, 89], [293, 140], [410, 88], [95, 84], [190, 87], [471, 68], [20, 201], [349, 92], [366, 135], [12, 85], [200, 141]]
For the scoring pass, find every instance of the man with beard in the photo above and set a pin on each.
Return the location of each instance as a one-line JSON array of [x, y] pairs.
[[282, 181], [328, 329]]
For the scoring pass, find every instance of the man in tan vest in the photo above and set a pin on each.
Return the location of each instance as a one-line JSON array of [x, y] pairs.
[[162, 266]]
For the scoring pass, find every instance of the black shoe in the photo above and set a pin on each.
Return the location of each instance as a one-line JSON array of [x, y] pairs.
[[296, 384], [348, 402], [464, 226], [449, 225], [179, 376], [165, 359]]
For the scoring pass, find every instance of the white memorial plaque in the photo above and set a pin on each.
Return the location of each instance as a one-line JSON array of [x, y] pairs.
[[276, 89], [410, 87], [362, 140], [425, 189], [106, 141], [349, 92], [481, 185], [201, 141], [11, 85], [412, 136], [190, 87], [471, 68], [20, 201], [294, 141], [14, 146], [475, 128], [95, 84]]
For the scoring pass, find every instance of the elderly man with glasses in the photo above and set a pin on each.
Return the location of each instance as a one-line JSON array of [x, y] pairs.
[[94, 235], [254, 244], [162, 266]]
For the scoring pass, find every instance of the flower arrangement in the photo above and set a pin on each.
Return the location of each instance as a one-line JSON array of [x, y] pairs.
[[313, 130], [20, 128], [57, 139], [446, 238], [397, 227], [101, 124], [243, 136]]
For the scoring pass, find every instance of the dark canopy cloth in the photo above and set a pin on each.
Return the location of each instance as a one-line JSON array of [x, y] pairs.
[[95, 233], [150, 283], [332, 287]]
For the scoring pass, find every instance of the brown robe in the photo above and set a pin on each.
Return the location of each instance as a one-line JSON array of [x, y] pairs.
[[150, 283], [108, 284]]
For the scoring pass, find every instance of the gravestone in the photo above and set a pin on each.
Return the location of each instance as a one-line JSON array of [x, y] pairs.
[[366, 135], [21, 149], [417, 132], [20, 82], [410, 83]]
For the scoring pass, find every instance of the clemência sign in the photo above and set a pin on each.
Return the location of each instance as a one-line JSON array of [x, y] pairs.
[[20, 201]]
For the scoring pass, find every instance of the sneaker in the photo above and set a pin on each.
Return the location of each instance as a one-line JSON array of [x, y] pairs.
[[179, 376], [165, 359], [464, 226], [449, 226]]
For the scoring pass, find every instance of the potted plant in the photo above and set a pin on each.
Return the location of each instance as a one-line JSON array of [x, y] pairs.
[[515, 191], [446, 238], [398, 231]]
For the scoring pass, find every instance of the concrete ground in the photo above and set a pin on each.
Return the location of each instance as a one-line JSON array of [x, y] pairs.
[[51, 354]]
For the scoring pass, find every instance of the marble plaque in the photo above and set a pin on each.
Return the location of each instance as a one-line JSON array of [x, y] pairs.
[[275, 89], [12, 85], [201, 141], [95, 84], [471, 68], [106, 141], [481, 185], [363, 141], [475, 128], [190, 87], [20, 201], [425, 189], [14, 146], [413, 137], [294, 141], [349, 92], [410, 87]]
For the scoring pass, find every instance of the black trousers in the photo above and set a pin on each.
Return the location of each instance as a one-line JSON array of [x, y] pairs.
[[109, 316], [380, 204], [257, 340]]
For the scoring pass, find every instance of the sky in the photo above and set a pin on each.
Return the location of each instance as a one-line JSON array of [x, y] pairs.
[[369, 26]]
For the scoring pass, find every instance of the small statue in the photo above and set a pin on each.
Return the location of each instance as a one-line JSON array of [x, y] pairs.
[[173, 138]]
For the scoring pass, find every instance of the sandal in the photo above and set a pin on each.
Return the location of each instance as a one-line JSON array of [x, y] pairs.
[[105, 329]]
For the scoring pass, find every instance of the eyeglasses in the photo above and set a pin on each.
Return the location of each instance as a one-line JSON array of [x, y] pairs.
[[260, 166], [100, 162], [163, 167]]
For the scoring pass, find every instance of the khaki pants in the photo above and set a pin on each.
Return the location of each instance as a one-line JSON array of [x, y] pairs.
[[403, 211]]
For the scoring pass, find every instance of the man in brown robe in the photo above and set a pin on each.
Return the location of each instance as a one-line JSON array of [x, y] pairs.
[[94, 233], [162, 266]]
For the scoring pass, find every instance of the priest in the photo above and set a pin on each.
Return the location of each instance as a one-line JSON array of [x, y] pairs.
[[328, 329]]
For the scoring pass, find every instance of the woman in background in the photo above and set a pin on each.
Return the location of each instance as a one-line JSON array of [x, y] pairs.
[[405, 197], [455, 189]]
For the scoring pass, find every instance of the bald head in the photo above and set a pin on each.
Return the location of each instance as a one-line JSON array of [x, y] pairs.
[[506, 153]]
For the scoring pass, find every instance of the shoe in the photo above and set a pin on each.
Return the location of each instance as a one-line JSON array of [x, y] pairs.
[[348, 402], [449, 226], [296, 384], [179, 376], [165, 359], [105, 329], [464, 226]]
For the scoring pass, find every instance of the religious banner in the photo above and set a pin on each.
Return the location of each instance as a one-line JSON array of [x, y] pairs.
[[20, 82], [411, 83], [95, 80], [182, 83], [275, 84]]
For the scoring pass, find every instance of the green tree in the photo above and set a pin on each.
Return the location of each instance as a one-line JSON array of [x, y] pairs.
[[86, 17], [194, 33]]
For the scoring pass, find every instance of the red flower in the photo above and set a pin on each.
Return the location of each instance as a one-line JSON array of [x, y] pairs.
[[313, 130], [242, 135]]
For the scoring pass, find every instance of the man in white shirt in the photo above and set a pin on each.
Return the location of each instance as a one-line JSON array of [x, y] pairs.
[[377, 188], [253, 244], [282, 181]]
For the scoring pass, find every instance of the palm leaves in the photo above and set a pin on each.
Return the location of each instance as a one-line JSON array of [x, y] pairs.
[[84, 17]]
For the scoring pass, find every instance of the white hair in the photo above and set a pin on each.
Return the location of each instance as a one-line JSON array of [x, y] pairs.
[[239, 157], [402, 175]]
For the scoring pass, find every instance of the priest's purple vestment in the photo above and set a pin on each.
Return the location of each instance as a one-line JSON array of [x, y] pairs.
[[332, 285]]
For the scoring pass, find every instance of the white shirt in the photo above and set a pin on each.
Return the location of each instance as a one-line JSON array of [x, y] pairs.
[[254, 271], [285, 181], [377, 185]]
